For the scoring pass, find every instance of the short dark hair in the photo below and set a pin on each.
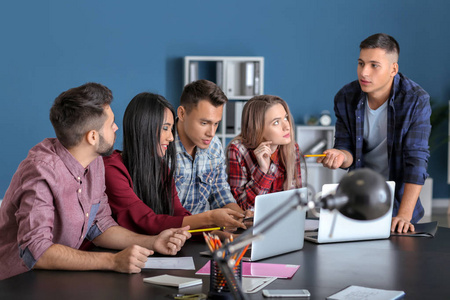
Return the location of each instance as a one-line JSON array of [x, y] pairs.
[[78, 110], [383, 41], [202, 90]]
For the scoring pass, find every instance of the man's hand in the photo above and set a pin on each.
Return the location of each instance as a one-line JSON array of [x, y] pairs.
[[262, 154], [227, 218], [131, 259], [170, 241], [248, 218], [334, 159], [401, 224]]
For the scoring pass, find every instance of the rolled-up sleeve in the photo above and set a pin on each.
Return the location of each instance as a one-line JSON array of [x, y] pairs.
[[35, 214], [103, 219]]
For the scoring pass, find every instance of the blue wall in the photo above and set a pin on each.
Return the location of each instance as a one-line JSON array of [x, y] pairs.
[[310, 47]]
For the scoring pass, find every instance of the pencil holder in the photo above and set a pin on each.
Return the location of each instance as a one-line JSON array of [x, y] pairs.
[[218, 287]]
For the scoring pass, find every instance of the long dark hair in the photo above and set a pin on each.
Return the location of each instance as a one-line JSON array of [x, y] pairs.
[[152, 175]]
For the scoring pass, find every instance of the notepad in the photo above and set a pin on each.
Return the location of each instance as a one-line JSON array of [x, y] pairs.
[[421, 229], [253, 269], [359, 292], [176, 281], [172, 263]]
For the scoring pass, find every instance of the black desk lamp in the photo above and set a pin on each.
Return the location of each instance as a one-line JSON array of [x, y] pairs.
[[361, 194]]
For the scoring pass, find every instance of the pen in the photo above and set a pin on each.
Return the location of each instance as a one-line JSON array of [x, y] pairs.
[[315, 155], [206, 229]]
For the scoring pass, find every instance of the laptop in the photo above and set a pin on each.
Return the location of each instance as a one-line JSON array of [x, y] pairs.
[[346, 229], [287, 234]]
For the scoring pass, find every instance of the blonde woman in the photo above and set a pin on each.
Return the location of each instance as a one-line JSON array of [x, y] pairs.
[[264, 158]]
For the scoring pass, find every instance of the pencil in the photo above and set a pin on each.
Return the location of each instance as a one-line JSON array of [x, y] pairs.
[[315, 155], [206, 229]]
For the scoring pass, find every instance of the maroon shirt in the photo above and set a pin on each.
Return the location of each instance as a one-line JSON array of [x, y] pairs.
[[128, 209], [52, 199]]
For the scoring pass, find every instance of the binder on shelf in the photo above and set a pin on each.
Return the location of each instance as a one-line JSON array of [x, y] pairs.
[[193, 71], [238, 107], [257, 83], [248, 76], [230, 107], [219, 74], [234, 117], [230, 90]]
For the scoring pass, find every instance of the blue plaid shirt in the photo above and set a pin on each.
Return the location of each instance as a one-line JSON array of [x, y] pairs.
[[407, 136], [202, 182]]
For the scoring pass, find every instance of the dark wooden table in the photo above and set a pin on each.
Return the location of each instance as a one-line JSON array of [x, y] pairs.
[[419, 266]]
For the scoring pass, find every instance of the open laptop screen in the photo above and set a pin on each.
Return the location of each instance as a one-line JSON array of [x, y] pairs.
[[287, 234]]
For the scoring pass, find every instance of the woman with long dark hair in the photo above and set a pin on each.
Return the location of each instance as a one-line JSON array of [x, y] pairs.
[[264, 158], [139, 179]]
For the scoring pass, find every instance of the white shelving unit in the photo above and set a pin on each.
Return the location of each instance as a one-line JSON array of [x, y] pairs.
[[240, 78], [314, 140]]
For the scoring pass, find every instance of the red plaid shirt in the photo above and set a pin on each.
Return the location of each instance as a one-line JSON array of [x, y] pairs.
[[246, 178]]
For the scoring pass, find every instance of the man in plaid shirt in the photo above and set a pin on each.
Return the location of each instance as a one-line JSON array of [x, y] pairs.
[[200, 177], [383, 123]]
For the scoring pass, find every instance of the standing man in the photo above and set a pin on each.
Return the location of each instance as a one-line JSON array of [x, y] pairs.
[[383, 123], [201, 179], [57, 197]]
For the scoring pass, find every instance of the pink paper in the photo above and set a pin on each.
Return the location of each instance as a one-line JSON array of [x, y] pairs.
[[254, 269]]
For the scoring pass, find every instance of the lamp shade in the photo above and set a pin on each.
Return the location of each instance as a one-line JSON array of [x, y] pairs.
[[369, 196]]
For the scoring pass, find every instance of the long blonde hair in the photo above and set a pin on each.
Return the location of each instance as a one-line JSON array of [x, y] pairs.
[[252, 128]]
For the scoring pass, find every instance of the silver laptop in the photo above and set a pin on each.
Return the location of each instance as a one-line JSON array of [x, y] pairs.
[[287, 234], [345, 229]]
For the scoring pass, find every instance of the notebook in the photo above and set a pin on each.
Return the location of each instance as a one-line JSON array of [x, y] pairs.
[[286, 234], [346, 229], [176, 281]]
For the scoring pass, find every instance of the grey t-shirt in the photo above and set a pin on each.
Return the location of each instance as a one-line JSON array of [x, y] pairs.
[[375, 139]]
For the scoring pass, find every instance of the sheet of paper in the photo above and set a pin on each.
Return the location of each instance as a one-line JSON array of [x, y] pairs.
[[355, 292], [255, 284], [311, 224], [172, 263]]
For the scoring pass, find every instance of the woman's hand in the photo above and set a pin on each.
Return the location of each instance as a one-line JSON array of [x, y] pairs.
[[263, 153]]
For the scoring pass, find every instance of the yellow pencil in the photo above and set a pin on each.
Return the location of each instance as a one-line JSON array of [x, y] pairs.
[[206, 229], [315, 155]]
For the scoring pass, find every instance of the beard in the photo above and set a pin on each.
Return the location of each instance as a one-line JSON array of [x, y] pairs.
[[105, 149]]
